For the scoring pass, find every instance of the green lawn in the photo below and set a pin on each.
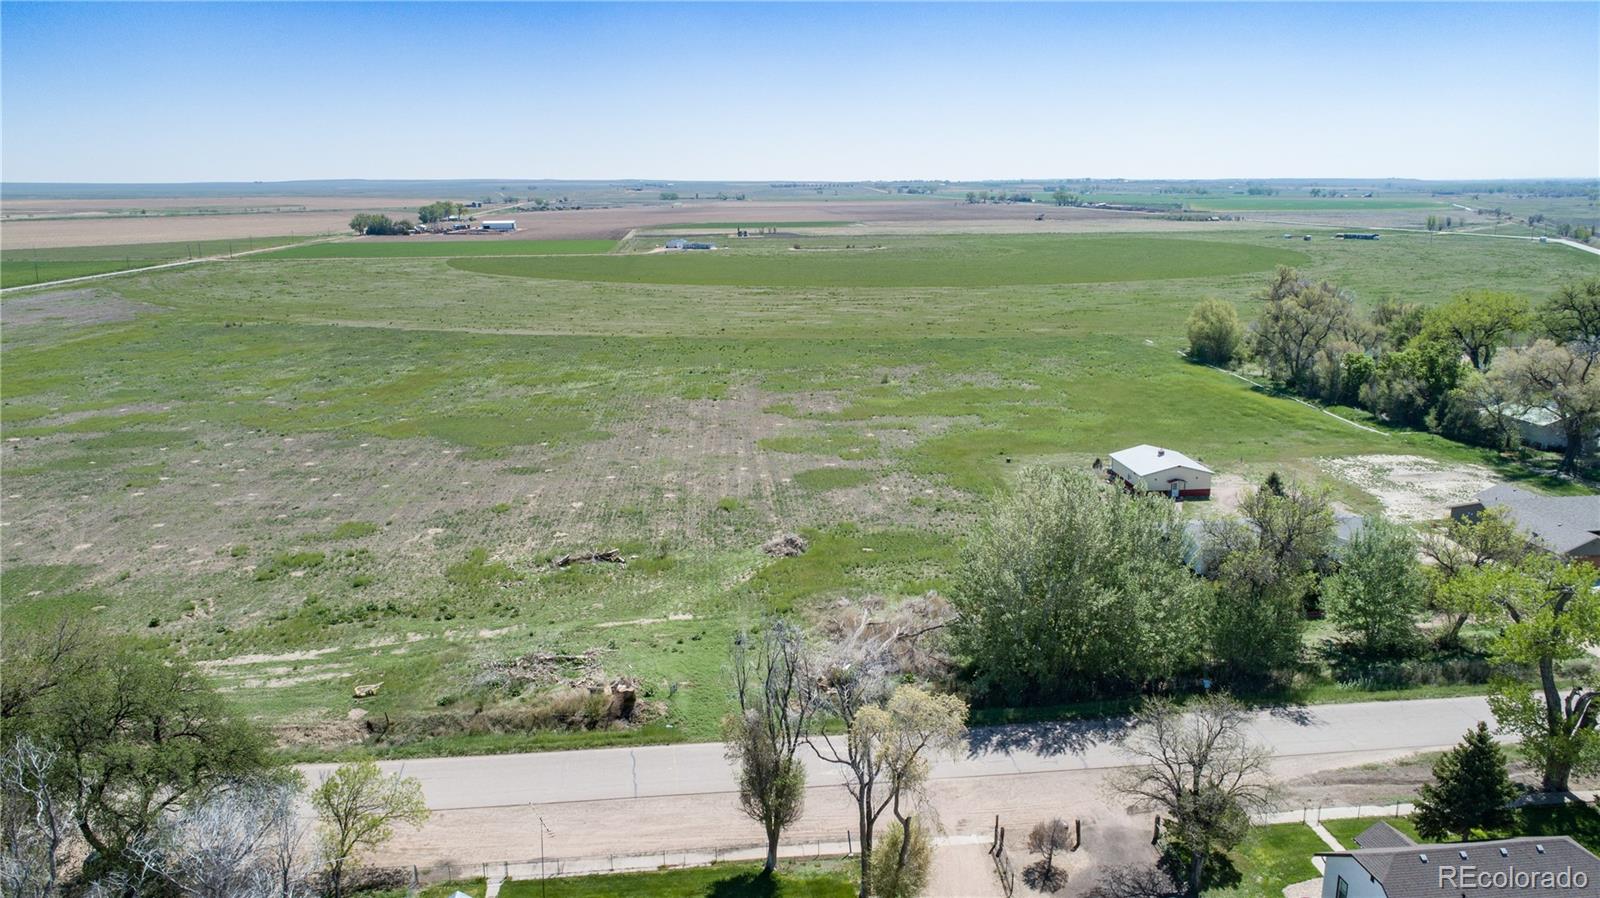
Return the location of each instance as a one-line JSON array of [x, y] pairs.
[[21, 267], [1270, 858], [950, 262], [433, 246], [810, 880], [475, 888], [1581, 822]]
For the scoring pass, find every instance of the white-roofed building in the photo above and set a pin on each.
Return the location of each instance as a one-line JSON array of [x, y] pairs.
[[1156, 470]]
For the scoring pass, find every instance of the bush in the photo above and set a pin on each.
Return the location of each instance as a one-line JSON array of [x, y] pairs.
[[889, 878], [1214, 332]]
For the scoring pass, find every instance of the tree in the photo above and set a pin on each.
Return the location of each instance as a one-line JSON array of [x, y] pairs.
[[1468, 544], [136, 735], [357, 807], [1572, 317], [888, 741], [234, 843], [35, 826], [1548, 612], [1045, 839], [1376, 595], [1413, 382], [1073, 586], [439, 211], [1200, 770], [1297, 321], [1477, 322], [1470, 790], [763, 737], [1556, 376], [1214, 332]]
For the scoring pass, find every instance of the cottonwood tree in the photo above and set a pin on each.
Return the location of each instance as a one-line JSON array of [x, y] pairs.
[[357, 807], [1470, 790], [1214, 332], [769, 680], [1073, 586], [1477, 322], [136, 736], [1297, 321], [1199, 768], [1572, 317], [1548, 611], [1378, 592], [1560, 377], [1468, 543]]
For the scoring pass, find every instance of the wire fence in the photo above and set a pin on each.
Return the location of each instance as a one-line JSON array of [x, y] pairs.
[[552, 867]]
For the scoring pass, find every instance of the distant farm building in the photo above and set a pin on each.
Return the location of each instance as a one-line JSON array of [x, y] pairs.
[[505, 225], [1565, 525], [1153, 469], [680, 243], [1544, 428], [1357, 236]]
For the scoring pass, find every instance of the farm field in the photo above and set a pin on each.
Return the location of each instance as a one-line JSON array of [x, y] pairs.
[[21, 267], [448, 246], [308, 474]]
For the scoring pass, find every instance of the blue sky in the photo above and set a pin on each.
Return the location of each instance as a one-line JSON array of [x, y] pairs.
[[189, 92]]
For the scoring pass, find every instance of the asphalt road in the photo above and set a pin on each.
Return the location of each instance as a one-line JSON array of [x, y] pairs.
[[648, 772]]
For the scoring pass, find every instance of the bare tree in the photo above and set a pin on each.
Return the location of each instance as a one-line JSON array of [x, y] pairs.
[[769, 682], [1201, 770], [234, 843], [1045, 839], [34, 824]]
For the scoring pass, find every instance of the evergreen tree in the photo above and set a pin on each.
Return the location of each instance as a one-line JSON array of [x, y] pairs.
[[1470, 790]]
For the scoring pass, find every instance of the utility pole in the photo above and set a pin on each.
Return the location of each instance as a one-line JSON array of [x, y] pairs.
[[543, 830]]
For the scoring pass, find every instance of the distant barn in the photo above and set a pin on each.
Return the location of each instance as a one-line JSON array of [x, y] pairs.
[[506, 225], [680, 243], [1357, 236]]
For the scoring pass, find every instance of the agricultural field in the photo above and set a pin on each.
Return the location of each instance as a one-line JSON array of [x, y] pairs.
[[450, 246], [21, 267], [310, 472]]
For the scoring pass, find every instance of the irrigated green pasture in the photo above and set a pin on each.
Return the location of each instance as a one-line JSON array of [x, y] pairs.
[[21, 267], [931, 262], [312, 473], [450, 245]]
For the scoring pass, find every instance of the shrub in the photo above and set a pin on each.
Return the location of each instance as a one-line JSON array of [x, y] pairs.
[[1214, 332], [889, 878]]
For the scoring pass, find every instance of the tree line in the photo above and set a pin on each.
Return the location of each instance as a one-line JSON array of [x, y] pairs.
[[376, 225], [1463, 369]]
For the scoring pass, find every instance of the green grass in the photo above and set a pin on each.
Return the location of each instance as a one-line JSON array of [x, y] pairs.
[[21, 267], [472, 887], [1581, 822], [437, 436], [805, 880], [1270, 858], [429, 246], [958, 262]]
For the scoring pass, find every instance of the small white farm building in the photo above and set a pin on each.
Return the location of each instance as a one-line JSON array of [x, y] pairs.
[[505, 225], [1153, 469]]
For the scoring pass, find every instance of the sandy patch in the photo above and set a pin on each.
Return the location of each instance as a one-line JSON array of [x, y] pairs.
[[240, 660], [69, 307], [1411, 488]]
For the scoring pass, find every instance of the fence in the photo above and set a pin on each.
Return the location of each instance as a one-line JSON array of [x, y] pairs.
[[1003, 867], [552, 867]]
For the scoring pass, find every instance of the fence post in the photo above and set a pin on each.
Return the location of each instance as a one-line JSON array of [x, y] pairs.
[[849, 844], [1077, 833]]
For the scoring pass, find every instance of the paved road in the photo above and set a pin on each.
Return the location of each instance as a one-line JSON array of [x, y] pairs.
[[609, 774]]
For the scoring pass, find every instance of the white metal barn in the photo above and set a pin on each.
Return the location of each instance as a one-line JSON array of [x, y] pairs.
[[506, 225], [1156, 470]]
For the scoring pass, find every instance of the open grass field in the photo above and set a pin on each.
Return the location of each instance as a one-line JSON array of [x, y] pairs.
[[1581, 822], [307, 474], [431, 246], [1270, 858], [20, 267]]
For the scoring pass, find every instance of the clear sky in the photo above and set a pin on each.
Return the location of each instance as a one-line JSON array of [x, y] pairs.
[[191, 92]]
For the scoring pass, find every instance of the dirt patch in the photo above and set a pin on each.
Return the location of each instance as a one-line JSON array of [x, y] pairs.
[[75, 307], [1411, 488]]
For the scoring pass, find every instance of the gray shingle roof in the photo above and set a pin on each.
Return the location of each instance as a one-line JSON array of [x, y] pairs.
[[1561, 523], [1382, 835], [1424, 871]]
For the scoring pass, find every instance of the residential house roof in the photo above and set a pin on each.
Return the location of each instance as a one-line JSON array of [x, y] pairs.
[[1382, 835], [1414, 871], [1146, 459], [1568, 525]]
